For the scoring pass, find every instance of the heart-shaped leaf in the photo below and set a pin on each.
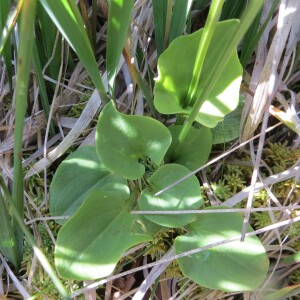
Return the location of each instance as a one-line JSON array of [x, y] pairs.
[[175, 71], [90, 244], [75, 177], [236, 266], [124, 142], [195, 150], [183, 196]]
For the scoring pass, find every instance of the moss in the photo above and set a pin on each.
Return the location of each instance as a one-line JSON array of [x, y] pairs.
[[288, 189], [173, 270], [233, 181], [221, 190], [261, 219], [161, 243], [280, 157]]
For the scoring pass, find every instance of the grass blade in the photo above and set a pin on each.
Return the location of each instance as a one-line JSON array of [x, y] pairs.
[[233, 9], [66, 16], [181, 11], [159, 15], [118, 22], [21, 91]]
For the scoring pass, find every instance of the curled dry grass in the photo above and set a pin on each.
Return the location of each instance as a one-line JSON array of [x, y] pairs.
[[270, 80]]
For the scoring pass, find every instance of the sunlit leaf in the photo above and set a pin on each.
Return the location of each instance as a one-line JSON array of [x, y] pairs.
[[125, 143], [91, 243], [235, 266], [75, 177], [175, 68], [183, 196]]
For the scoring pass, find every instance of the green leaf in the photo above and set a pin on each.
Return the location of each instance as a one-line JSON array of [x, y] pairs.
[[75, 177], [183, 196], [159, 17], [174, 79], [66, 16], [236, 266], [180, 14], [195, 150], [233, 9], [118, 22], [229, 128], [90, 244], [124, 142]]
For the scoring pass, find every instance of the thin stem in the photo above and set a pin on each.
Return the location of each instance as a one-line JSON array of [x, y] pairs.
[[31, 241]]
